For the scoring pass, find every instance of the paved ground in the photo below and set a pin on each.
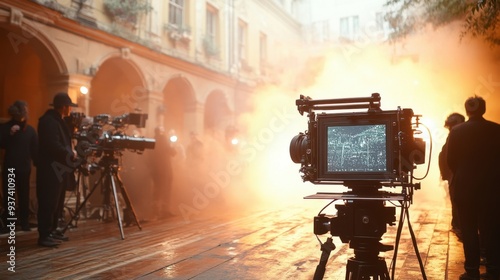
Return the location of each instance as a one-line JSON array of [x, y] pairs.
[[271, 243]]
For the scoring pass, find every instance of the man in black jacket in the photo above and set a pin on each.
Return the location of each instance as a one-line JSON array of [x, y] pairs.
[[20, 142], [473, 157], [451, 121], [55, 171]]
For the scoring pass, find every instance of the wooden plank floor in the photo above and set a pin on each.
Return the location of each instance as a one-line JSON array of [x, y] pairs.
[[274, 243]]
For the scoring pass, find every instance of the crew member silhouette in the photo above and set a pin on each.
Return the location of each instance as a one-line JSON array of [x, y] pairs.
[[20, 142], [162, 173], [473, 157], [451, 121], [55, 171]]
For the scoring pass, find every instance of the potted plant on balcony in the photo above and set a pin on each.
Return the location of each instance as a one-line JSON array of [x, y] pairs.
[[127, 11], [176, 32]]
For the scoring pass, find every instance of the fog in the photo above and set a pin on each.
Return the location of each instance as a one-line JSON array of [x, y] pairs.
[[432, 73]]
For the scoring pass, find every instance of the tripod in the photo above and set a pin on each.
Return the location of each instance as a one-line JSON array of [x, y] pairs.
[[361, 222], [79, 191], [110, 180]]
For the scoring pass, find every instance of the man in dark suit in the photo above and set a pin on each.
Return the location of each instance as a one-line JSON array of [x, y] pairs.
[[474, 159], [451, 121], [55, 171]]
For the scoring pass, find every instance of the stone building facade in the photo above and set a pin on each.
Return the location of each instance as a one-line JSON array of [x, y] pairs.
[[191, 65]]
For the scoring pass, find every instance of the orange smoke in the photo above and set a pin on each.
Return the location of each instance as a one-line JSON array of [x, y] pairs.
[[432, 73]]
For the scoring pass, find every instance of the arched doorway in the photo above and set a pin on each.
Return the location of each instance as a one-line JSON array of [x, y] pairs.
[[217, 115], [117, 89], [180, 109], [27, 72]]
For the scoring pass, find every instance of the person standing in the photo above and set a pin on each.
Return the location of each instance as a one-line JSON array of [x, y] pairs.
[[55, 171], [19, 140], [451, 121], [162, 173], [473, 153]]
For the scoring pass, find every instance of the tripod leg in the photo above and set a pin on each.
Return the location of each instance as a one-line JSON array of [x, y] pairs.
[[77, 211], [117, 205], [67, 206], [129, 210], [80, 182], [326, 248]]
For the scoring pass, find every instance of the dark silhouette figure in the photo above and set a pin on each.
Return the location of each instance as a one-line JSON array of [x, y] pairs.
[[194, 152], [19, 140], [162, 173], [55, 171], [473, 157], [451, 121]]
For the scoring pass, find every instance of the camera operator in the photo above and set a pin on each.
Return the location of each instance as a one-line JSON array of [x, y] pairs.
[[55, 171], [473, 153], [20, 142]]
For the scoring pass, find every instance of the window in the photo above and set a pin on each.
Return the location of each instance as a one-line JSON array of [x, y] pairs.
[[210, 41], [242, 40], [349, 27], [344, 27], [355, 26], [176, 13]]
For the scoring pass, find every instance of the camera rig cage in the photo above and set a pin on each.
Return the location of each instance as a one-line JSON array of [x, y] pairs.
[[357, 148]]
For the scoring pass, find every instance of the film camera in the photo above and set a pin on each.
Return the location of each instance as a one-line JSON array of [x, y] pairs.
[[99, 140], [373, 146], [363, 151], [104, 133]]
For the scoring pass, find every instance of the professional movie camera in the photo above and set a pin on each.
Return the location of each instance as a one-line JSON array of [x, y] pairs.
[[104, 133], [363, 151], [372, 146], [100, 142]]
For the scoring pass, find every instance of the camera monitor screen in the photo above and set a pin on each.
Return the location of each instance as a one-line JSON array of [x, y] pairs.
[[356, 148]]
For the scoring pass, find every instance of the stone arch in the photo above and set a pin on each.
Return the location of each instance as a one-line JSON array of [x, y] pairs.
[[217, 115], [32, 67], [117, 88], [181, 111]]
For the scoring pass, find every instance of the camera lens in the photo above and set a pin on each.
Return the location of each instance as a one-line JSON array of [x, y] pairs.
[[298, 147]]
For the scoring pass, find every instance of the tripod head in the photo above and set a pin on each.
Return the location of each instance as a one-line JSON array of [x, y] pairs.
[[109, 160]]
